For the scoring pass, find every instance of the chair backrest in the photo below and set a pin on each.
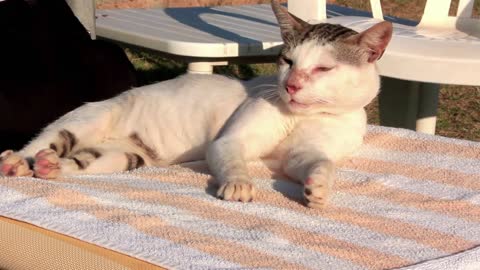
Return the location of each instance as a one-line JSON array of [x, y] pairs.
[[308, 10], [435, 10], [438, 9], [436, 15]]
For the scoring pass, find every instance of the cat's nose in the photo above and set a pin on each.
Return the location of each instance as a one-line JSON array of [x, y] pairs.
[[292, 89]]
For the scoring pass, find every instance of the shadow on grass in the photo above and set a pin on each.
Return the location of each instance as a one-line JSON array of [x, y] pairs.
[[153, 68]]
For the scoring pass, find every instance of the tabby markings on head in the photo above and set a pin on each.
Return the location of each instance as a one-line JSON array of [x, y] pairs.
[[326, 33]]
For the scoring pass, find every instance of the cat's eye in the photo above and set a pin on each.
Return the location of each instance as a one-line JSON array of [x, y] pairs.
[[321, 69], [286, 60]]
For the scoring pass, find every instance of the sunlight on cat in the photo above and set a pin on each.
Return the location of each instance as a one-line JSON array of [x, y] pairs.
[[307, 118]]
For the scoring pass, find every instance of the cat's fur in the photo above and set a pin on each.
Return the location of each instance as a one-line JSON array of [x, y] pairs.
[[307, 118]]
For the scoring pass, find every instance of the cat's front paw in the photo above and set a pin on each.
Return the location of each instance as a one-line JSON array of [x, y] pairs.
[[315, 193], [12, 164], [317, 187], [47, 164], [239, 190]]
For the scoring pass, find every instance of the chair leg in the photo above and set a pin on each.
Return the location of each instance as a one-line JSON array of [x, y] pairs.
[[408, 104], [398, 103], [427, 107], [200, 68], [85, 12]]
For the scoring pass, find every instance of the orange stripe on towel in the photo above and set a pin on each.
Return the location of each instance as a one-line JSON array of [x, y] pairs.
[[427, 237], [441, 241], [453, 208], [447, 177], [152, 225], [317, 242], [397, 143]]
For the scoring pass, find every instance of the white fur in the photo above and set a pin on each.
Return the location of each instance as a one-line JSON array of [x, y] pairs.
[[307, 139], [228, 122], [346, 87], [174, 117]]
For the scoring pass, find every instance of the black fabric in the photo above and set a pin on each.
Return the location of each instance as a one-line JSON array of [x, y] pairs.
[[49, 66]]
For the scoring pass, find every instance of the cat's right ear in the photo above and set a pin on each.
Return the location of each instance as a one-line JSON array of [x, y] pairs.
[[375, 40], [289, 23]]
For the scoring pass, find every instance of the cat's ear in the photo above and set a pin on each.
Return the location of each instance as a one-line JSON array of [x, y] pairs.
[[375, 40], [289, 23]]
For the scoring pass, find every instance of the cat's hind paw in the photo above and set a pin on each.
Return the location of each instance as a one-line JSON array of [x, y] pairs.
[[12, 164], [243, 191], [47, 164]]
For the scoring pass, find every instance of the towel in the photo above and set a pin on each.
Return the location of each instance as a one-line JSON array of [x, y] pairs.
[[404, 201]]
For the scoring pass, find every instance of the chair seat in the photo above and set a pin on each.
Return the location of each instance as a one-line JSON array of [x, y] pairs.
[[416, 53], [426, 54], [212, 32], [217, 32]]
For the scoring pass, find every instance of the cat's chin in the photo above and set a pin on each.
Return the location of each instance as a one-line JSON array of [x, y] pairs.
[[299, 108]]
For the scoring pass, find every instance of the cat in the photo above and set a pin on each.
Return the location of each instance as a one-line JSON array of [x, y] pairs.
[[307, 117]]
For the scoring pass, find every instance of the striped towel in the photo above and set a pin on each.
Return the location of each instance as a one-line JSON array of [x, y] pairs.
[[405, 200]]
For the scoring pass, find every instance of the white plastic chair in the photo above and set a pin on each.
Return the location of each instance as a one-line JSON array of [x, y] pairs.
[[439, 50]]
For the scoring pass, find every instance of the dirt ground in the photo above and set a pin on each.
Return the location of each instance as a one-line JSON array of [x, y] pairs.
[[172, 3], [411, 9]]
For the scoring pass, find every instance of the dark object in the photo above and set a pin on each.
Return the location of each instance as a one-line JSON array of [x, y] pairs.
[[49, 66]]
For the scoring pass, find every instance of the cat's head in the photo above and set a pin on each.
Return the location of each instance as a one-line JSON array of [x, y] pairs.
[[328, 68]]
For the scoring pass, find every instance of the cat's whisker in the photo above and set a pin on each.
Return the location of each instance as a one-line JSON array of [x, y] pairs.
[[267, 92], [321, 100], [272, 98], [276, 99], [264, 85], [269, 95], [315, 99]]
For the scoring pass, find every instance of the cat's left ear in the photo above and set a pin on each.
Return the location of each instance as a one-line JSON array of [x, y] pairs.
[[375, 39], [289, 23]]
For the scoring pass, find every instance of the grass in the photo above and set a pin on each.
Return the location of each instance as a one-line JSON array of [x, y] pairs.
[[459, 106]]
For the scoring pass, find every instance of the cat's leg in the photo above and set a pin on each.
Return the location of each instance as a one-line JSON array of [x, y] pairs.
[[48, 165], [20, 163], [253, 131], [315, 172], [84, 126], [226, 161], [309, 158]]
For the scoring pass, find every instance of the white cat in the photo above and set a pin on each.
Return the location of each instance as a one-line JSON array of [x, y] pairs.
[[307, 118]]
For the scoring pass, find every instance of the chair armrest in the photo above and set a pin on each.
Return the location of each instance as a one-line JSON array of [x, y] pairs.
[[308, 10], [376, 7]]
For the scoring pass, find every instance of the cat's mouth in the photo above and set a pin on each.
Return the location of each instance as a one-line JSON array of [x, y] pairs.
[[299, 105]]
